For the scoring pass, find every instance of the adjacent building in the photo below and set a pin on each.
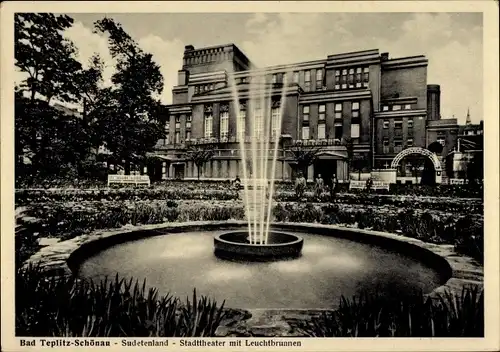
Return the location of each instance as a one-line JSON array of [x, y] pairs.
[[382, 105]]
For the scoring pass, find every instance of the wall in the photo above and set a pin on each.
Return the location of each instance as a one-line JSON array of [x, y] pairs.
[[405, 82]]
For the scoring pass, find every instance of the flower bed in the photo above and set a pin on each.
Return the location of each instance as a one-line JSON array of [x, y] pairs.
[[27, 197], [67, 220]]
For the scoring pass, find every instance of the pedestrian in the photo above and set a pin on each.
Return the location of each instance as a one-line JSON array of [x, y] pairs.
[[319, 186], [334, 187], [300, 185], [369, 183]]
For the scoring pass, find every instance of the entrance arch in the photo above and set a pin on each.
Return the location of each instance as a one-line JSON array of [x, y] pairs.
[[421, 151]]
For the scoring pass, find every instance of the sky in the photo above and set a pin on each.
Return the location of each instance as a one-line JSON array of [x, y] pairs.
[[451, 41]]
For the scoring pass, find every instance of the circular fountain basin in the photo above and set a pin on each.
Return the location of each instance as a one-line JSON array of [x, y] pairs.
[[236, 246]]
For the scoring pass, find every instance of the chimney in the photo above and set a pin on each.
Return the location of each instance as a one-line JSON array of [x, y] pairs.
[[188, 48], [384, 56]]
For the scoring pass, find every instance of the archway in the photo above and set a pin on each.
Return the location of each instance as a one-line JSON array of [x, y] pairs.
[[421, 151]]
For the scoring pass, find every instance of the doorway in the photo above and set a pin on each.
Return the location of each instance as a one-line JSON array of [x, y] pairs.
[[326, 168]]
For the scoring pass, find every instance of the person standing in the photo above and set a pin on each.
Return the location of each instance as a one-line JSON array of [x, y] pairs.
[[300, 185], [334, 187], [319, 186]]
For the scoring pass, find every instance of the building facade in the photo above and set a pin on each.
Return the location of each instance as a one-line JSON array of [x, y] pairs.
[[381, 105]]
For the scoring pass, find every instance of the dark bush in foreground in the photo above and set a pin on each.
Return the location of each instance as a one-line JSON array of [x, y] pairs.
[[67, 307], [451, 315]]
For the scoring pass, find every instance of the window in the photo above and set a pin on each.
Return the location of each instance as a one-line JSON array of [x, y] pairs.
[[321, 131], [366, 76], [319, 79], [188, 135], [322, 112], [338, 130], [351, 78], [410, 123], [337, 79], [355, 130], [240, 128], [257, 128], [295, 77], [396, 107], [177, 122], [224, 124], [386, 124], [408, 107], [305, 132], [398, 124], [409, 142], [211, 87], [305, 113], [283, 78], [470, 133], [338, 111], [307, 81], [177, 137], [208, 125], [385, 146], [343, 79], [275, 78], [398, 145], [196, 89], [189, 118], [385, 108], [355, 109], [275, 121], [441, 140]]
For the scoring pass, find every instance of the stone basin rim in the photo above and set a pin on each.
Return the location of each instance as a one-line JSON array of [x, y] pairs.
[[295, 239]]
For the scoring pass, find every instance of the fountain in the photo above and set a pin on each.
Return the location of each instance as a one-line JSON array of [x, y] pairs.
[[258, 243]]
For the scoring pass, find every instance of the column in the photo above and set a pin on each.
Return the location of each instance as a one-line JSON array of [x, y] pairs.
[[171, 171], [164, 170], [310, 173]]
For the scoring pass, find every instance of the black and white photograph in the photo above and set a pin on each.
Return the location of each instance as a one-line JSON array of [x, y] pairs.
[[250, 179]]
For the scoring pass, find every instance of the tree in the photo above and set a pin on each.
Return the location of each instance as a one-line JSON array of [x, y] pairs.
[[303, 156], [42, 52], [199, 155], [132, 124]]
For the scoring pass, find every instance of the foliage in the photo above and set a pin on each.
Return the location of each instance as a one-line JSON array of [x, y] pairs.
[[303, 156], [451, 315], [132, 125], [199, 155], [68, 307]]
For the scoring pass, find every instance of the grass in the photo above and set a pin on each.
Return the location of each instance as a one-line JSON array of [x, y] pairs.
[[68, 307], [450, 315]]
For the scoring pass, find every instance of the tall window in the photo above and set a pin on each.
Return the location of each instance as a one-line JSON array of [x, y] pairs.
[[257, 118], [189, 118], [275, 78], [351, 78], [240, 128], [355, 109], [307, 81], [386, 124], [385, 145], [188, 135], [337, 79], [355, 130], [366, 76], [208, 127], [410, 122], [339, 130], [275, 117], [177, 122], [358, 77], [177, 137], [305, 113], [319, 79], [322, 112], [398, 145], [338, 110], [305, 132], [295, 77], [224, 123], [321, 131], [343, 79]]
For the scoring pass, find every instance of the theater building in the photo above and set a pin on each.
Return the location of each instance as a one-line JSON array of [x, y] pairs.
[[383, 105]]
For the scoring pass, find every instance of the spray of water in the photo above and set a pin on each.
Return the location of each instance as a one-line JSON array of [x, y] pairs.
[[258, 185]]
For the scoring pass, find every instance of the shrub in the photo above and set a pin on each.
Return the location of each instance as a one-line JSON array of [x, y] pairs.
[[67, 307], [452, 315]]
